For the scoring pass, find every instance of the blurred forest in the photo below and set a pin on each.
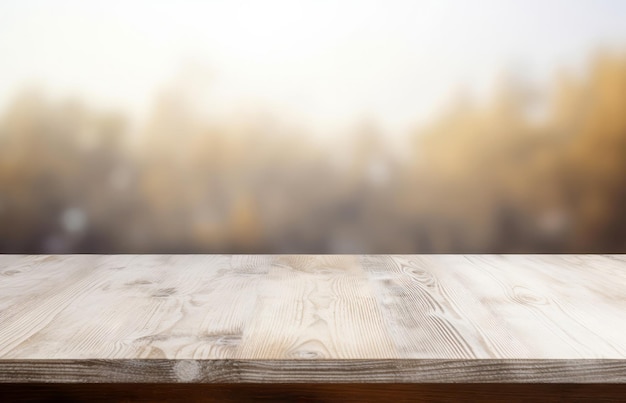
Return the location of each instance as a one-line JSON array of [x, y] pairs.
[[534, 170]]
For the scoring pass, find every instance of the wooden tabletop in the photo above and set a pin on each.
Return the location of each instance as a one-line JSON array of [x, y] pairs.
[[313, 318]]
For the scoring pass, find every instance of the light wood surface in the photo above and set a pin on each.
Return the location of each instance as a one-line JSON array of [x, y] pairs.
[[313, 318]]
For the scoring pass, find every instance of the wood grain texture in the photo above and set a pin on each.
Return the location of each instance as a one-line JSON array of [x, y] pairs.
[[313, 318]]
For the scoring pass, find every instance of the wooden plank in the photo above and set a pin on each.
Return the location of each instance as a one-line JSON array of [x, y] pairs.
[[314, 371], [502, 306], [313, 318], [317, 307]]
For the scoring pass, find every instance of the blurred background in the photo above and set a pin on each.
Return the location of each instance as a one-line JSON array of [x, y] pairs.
[[312, 126]]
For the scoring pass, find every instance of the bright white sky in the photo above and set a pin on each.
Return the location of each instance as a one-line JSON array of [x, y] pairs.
[[327, 62]]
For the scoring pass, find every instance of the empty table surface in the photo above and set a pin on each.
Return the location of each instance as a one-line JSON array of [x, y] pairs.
[[313, 318]]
